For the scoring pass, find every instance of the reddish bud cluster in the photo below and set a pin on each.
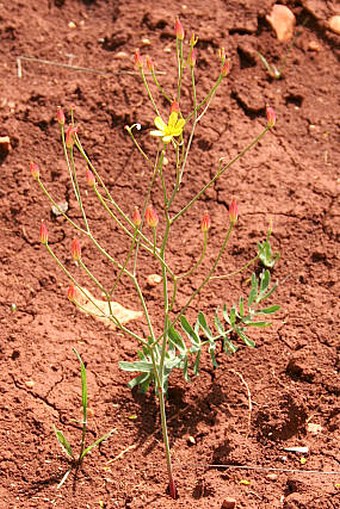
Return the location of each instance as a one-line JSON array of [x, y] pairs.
[[90, 179], [136, 217], [174, 106], [150, 64], [71, 293], [34, 170], [271, 117], [43, 234], [151, 217], [192, 57], [233, 211], [60, 117], [205, 222], [179, 30], [70, 135], [225, 70], [76, 250], [138, 59]]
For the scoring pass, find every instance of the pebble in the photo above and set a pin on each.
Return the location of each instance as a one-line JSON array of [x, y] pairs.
[[282, 21], [154, 279], [191, 440], [334, 24], [5, 144], [272, 477], [228, 503], [314, 46]]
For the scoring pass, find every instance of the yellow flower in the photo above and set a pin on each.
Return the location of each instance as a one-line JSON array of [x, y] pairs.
[[174, 127]]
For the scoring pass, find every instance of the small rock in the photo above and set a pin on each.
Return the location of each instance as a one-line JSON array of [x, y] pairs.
[[272, 477], [282, 21], [153, 279], [5, 145], [63, 208], [314, 428], [72, 24], [314, 46], [228, 503], [191, 440], [334, 24], [146, 41], [298, 449], [121, 55]]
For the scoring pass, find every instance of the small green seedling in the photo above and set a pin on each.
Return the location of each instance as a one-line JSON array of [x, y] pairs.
[[76, 461], [265, 253]]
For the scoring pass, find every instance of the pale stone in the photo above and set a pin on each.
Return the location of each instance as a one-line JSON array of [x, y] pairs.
[[282, 21], [334, 24]]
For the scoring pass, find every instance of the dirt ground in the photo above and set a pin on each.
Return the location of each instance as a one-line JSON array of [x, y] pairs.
[[290, 178]]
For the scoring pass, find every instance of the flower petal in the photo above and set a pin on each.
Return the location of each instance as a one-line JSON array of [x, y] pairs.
[[167, 139], [160, 123], [173, 119], [180, 124], [157, 133]]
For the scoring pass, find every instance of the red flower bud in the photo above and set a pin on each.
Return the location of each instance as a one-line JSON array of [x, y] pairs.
[[71, 293], [76, 250], [205, 222], [60, 117], [90, 178], [174, 106], [233, 212], [151, 217], [179, 30], [138, 59], [136, 217], [34, 170], [70, 134], [271, 117], [150, 64], [193, 57], [226, 67], [43, 236]]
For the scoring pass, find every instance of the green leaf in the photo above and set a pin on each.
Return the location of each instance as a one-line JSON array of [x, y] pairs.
[[241, 307], [219, 326], [269, 293], [143, 366], [254, 290], [97, 442], [83, 383], [225, 314], [194, 338], [143, 380], [197, 363], [177, 340], [204, 326], [228, 346], [185, 369], [264, 281], [232, 316], [256, 324], [269, 310], [212, 354], [64, 443], [245, 338]]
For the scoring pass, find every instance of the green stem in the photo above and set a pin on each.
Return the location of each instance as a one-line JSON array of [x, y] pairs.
[[55, 204], [238, 271], [147, 88], [219, 174], [166, 442], [179, 56]]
